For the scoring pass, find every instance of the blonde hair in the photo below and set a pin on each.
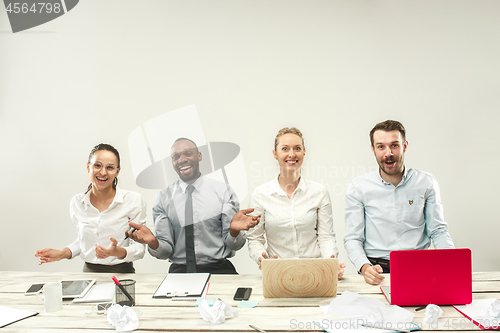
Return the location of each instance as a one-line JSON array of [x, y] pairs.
[[286, 130]]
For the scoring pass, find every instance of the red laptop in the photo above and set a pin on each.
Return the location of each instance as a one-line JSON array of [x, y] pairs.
[[421, 277]]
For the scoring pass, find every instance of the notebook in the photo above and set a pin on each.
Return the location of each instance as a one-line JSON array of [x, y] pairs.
[[422, 277], [299, 277]]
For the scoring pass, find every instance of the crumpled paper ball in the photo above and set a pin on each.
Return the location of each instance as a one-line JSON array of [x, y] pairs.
[[432, 313], [123, 318], [217, 313], [494, 309]]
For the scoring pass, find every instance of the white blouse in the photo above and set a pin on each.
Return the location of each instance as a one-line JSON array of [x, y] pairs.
[[296, 227], [96, 227]]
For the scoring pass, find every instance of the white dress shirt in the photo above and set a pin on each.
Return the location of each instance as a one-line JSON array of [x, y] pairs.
[[296, 227], [96, 227]]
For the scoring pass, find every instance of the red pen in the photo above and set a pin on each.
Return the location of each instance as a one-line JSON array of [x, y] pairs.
[[115, 280]]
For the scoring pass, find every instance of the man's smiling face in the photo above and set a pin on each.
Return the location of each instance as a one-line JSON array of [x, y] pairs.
[[389, 148], [186, 160]]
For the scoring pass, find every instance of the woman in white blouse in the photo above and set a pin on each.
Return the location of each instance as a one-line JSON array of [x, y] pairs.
[[296, 213], [101, 216]]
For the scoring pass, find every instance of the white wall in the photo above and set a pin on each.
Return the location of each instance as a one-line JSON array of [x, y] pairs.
[[331, 68]]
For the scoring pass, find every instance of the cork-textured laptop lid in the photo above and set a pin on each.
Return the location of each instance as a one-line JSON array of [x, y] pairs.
[[299, 277]]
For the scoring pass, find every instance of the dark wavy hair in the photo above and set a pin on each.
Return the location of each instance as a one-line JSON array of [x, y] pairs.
[[105, 146], [389, 125]]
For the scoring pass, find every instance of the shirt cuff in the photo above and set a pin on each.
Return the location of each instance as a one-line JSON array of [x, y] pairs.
[[133, 252], [236, 243], [360, 262], [153, 252], [75, 249]]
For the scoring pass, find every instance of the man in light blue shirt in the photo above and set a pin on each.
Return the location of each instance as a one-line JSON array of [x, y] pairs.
[[394, 208]]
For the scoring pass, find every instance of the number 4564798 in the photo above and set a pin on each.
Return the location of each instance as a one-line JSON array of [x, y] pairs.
[[40, 7]]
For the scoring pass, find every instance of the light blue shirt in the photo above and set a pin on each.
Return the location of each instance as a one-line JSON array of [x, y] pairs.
[[214, 205], [381, 217]]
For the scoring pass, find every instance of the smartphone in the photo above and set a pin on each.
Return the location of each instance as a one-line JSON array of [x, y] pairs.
[[242, 294], [35, 287]]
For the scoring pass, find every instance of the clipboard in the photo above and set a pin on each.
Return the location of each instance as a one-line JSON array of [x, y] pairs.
[[182, 285]]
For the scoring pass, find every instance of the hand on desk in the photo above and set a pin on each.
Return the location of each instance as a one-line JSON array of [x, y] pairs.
[[112, 251], [142, 235], [372, 274], [265, 256], [51, 255], [242, 221], [341, 267]]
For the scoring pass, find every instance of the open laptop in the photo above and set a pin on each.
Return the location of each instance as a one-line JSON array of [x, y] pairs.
[[422, 277], [299, 277]]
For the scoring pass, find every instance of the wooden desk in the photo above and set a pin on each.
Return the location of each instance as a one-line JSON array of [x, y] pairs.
[[273, 315]]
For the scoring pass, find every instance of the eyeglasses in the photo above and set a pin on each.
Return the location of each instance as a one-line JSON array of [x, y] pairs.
[[110, 168]]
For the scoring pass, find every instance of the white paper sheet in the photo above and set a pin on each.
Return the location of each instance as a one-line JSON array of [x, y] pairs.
[[368, 309], [10, 315], [478, 311], [103, 292]]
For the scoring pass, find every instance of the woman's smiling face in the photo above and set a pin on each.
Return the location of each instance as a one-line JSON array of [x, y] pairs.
[[290, 153], [103, 169]]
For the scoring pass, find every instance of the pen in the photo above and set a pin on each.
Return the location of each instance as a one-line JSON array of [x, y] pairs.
[[385, 328], [115, 280], [256, 328], [420, 308], [131, 231]]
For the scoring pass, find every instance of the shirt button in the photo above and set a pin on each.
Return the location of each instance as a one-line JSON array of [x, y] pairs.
[[397, 206], [399, 240], [398, 223]]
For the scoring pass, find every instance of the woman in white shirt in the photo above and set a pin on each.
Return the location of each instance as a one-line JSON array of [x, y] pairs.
[[101, 216], [296, 213]]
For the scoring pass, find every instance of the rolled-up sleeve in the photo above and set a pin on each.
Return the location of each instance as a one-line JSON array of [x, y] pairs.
[[355, 227]]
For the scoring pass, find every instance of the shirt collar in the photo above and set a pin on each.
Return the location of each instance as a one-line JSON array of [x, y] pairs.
[[117, 199], [197, 184], [406, 175], [276, 188]]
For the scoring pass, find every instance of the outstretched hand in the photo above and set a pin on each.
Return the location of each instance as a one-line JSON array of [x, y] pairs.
[[242, 221], [143, 235], [265, 256], [111, 251], [51, 255]]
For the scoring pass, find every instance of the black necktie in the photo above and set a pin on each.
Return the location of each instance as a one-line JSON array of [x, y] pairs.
[[189, 231]]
